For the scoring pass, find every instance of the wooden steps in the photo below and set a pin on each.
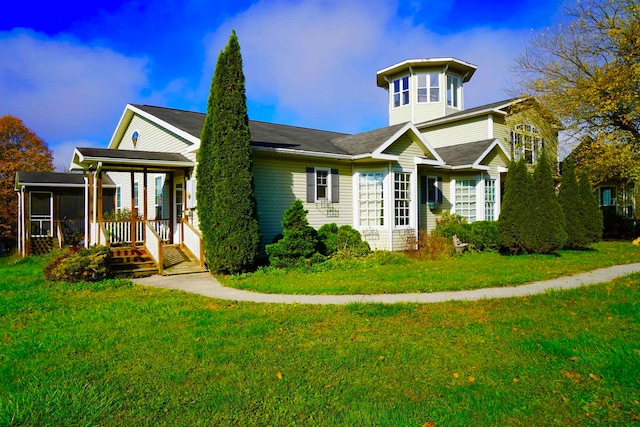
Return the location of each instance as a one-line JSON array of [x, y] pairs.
[[131, 261], [178, 260]]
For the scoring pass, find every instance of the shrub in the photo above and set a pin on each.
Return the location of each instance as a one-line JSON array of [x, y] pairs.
[[484, 236], [432, 246], [573, 206], [88, 265], [298, 241], [450, 224], [593, 219], [345, 240]]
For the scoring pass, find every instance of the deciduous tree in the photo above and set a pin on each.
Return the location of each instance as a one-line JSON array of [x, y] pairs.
[[586, 71], [225, 191], [20, 150]]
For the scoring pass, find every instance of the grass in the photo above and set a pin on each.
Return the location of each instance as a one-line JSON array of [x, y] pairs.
[[400, 274], [114, 354]]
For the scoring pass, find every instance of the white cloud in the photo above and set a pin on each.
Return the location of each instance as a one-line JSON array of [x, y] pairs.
[[63, 89], [63, 151], [317, 60]]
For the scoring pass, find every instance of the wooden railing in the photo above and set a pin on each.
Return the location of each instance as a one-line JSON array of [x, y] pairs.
[[153, 244], [192, 240], [119, 231]]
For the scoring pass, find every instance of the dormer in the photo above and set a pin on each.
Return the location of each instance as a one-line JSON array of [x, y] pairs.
[[425, 89]]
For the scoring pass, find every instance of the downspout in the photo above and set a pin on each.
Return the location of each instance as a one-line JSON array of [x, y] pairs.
[[95, 201], [86, 211], [391, 207]]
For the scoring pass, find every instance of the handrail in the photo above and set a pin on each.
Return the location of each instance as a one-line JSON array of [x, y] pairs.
[[155, 251], [103, 235], [192, 240]]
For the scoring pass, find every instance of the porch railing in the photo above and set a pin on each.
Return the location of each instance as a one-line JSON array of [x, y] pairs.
[[154, 246], [192, 240], [119, 231]]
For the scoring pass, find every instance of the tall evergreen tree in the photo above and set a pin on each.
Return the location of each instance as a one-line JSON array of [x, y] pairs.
[[225, 191], [548, 221], [514, 223], [593, 222], [573, 207]]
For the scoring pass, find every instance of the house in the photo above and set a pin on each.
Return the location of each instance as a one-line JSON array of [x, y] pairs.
[[388, 183]]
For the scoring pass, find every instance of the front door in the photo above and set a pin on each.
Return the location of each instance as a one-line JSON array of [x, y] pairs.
[[178, 203]]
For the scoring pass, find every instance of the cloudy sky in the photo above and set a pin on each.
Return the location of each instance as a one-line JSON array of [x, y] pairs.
[[68, 68]]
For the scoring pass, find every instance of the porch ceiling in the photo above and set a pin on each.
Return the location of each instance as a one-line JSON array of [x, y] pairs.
[[128, 160]]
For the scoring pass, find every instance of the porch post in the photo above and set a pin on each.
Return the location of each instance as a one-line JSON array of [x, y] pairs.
[[133, 211], [171, 206], [99, 207], [27, 224], [90, 206], [146, 205]]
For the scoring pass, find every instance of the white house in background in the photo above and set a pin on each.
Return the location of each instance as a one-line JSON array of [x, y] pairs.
[[388, 183]]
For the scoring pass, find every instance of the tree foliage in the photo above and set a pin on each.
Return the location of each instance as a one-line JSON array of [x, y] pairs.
[[20, 150], [518, 204], [225, 191], [573, 207], [586, 70], [607, 161], [548, 218], [592, 214]]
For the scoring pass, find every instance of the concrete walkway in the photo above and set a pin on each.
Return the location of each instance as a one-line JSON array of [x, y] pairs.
[[205, 284]]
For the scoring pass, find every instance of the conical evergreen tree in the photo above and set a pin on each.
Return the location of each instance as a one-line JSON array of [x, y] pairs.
[[548, 220], [514, 226], [593, 222], [573, 207], [225, 191]]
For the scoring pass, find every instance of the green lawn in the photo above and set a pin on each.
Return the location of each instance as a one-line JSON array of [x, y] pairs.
[[401, 275], [118, 354]]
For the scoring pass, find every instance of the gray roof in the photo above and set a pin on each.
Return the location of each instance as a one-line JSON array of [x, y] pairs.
[[367, 142], [471, 111], [464, 154], [263, 134], [53, 179], [131, 154]]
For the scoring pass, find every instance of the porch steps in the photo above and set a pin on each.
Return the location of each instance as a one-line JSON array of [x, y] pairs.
[[178, 260], [131, 261]]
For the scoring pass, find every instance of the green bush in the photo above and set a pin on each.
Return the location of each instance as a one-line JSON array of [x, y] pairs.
[[345, 241], [299, 240], [484, 236], [85, 265], [450, 224]]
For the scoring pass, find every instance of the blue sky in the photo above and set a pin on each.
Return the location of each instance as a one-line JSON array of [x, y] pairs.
[[68, 68]]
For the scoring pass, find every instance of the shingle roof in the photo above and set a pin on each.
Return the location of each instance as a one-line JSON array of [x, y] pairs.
[[263, 134], [131, 154], [53, 178], [367, 142], [471, 111], [464, 154]]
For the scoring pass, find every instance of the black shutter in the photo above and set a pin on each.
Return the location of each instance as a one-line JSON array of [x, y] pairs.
[[311, 185], [335, 186]]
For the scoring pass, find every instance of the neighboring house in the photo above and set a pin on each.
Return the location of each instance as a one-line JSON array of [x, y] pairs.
[[619, 197], [388, 183]]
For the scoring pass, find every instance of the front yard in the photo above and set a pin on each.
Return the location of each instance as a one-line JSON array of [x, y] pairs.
[[394, 273], [113, 353]]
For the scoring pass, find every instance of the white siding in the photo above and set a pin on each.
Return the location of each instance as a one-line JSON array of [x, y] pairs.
[[473, 129]]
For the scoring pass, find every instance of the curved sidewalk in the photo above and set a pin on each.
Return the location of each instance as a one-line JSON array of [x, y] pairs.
[[205, 284]]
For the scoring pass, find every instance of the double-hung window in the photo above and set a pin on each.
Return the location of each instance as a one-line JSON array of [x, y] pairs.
[[136, 197], [465, 199], [371, 199], [322, 185], [402, 198], [401, 91], [428, 87], [453, 91], [118, 198], [489, 199]]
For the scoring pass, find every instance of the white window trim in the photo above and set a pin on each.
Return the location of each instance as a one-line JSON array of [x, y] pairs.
[[428, 88], [458, 90], [412, 187], [534, 133], [118, 199], [479, 195], [315, 187], [385, 199], [136, 195], [401, 91], [438, 184], [496, 202]]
